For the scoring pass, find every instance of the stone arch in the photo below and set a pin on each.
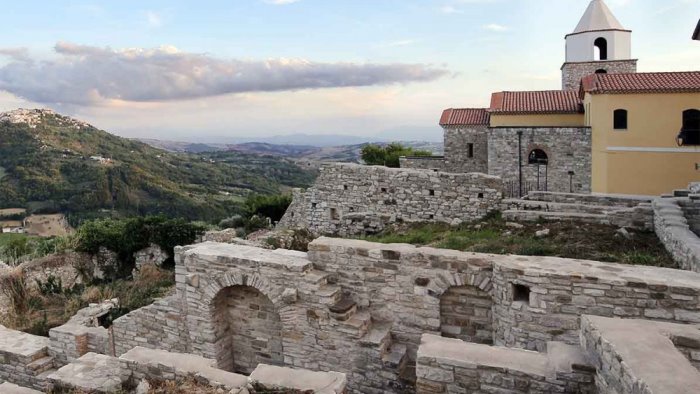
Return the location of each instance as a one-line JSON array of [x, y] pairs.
[[246, 288], [466, 303], [247, 329]]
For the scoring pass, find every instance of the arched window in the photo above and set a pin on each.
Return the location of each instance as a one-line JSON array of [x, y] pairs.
[[601, 49], [690, 133], [538, 156], [601, 71], [620, 119]]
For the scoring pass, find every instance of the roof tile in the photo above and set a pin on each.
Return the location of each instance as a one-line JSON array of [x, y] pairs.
[[661, 82], [542, 102], [464, 117]]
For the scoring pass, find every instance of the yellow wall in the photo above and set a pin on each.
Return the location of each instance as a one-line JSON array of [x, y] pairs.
[[542, 120], [653, 122]]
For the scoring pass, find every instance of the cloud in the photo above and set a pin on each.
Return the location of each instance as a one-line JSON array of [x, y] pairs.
[[88, 76], [495, 27], [153, 19]]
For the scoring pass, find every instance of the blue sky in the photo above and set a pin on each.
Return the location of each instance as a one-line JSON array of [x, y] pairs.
[[209, 70]]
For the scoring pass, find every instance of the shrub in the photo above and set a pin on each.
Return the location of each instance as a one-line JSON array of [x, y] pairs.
[[376, 155], [270, 206], [14, 287], [53, 285]]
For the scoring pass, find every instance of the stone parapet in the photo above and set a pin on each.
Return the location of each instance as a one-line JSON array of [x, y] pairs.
[[674, 231]]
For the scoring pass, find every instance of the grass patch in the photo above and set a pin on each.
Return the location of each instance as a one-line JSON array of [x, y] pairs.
[[566, 239]]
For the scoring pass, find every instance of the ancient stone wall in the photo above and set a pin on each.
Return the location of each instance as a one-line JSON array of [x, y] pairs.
[[568, 150], [572, 73], [675, 232], [465, 313], [466, 149], [435, 163], [451, 366], [23, 357], [348, 197]]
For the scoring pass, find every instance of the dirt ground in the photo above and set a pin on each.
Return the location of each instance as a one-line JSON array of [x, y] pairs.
[[47, 225]]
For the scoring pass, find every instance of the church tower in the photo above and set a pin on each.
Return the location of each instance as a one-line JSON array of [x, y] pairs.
[[599, 44]]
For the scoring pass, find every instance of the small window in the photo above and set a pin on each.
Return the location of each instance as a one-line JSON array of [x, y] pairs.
[[470, 150], [538, 156], [383, 190], [620, 119], [601, 71], [334, 214], [345, 187], [431, 192], [313, 205], [690, 133], [481, 195], [601, 49], [521, 293]]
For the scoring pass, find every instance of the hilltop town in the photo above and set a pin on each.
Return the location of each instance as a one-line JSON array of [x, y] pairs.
[[553, 248]]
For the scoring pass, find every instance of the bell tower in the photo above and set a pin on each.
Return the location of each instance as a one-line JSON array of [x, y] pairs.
[[599, 44]]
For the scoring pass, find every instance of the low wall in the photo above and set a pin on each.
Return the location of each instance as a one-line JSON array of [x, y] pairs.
[[435, 163], [160, 325], [452, 366], [348, 199], [23, 357], [675, 233]]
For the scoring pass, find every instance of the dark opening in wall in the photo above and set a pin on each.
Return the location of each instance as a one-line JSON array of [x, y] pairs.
[[313, 205], [601, 71], [345, 187], [470, 150], [521, 293], [334, 214], [481, 195], [432, 217], [431, 192], [383, 190]]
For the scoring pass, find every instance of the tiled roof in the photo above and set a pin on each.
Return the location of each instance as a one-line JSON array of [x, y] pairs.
[[543, 102], [464, 117], [664, 82]]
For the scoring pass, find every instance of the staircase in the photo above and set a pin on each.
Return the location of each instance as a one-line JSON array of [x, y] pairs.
[[631, 212]]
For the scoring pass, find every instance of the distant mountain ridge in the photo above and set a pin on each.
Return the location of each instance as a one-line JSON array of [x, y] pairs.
[[51, 162]]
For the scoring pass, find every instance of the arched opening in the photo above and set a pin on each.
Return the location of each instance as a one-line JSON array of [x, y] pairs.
[[465, 313], [690, 133], [247, 328], [538, 156], [601, 49], [601, 71], [620, 119]]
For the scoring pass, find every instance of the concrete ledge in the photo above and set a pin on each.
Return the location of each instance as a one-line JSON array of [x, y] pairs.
[[294, 261], [9, 388], [272, 377]]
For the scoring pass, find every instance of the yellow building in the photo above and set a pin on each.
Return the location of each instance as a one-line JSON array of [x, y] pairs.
[[645, 131]]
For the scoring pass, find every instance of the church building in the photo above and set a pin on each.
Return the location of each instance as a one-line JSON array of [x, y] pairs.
[[609, 129]]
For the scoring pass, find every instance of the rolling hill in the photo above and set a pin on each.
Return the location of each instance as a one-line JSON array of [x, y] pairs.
[[53, 163]]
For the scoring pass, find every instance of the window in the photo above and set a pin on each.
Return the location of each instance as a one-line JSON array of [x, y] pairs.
[[601, 49], [470, 150], [620, 119], [690, 133], [538, 156], [431, 192], [521, 293], [334, 214], [601, 71]]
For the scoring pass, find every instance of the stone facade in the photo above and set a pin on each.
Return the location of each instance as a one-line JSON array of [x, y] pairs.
[[675, 230], [572, 73], [434, 163], [568, 150], [350, 199], [466, 149]]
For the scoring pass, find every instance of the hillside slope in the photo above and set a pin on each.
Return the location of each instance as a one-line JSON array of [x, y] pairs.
[[49, 162]]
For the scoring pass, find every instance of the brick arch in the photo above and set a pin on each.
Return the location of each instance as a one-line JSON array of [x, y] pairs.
[[532, 146], [480, 280], [234, 278]]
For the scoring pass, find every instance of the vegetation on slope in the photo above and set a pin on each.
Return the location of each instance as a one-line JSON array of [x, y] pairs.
[[377, 155], [55, 167], [566, 239]]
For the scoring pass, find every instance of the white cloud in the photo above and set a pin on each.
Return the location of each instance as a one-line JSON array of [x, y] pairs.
[[495, 27], [88, 76]]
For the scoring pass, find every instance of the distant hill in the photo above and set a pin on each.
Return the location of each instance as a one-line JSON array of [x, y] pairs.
[[53, 163]]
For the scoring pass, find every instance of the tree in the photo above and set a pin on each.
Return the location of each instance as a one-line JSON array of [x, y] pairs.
[[376, 155]]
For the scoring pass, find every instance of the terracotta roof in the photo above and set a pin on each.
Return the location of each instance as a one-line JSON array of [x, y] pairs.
[[464, 117], [664, 82], [543, 102]]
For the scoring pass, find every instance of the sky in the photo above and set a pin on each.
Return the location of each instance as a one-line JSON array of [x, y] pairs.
[[214, 71]]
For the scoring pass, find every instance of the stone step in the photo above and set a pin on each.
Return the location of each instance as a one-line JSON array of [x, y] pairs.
[[329, 294], [41, 365], [396, 357], [378, 337], [344, 309], [9, 388], [317, 277], [357, 325], [518, 215], [547, 206]]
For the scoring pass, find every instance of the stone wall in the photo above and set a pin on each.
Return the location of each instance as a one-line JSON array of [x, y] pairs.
[[674, 231], [23, 357], [348, 197], [451, 366], [457, 151], [435, 163], [465, 313], [568, 150], [572, 73]]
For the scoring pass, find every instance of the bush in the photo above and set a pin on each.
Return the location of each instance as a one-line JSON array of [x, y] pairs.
[[376, 155], [271, 206]]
